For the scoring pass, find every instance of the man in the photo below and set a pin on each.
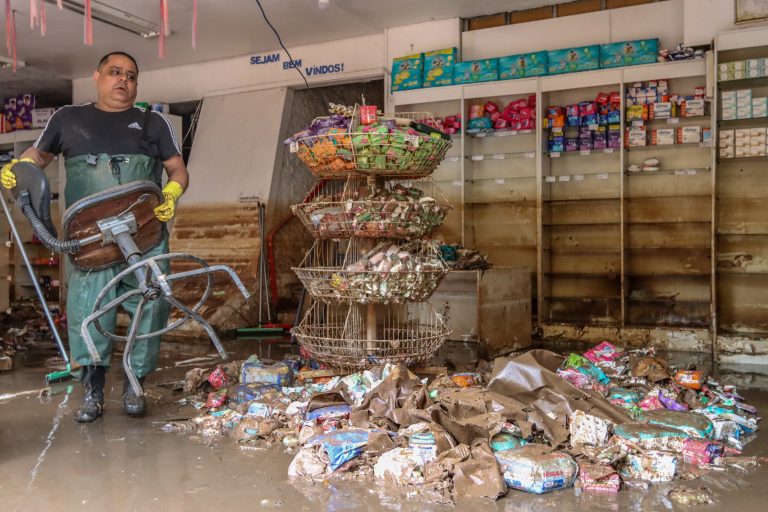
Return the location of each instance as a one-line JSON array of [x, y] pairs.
[[105, 144]]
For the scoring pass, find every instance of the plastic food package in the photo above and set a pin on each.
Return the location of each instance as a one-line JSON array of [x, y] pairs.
[[598, 478], [586, 367], [701, 452], [401, 466], [694, 425], [603, 352], [589, 430], [649, 437], [503, 442], [653, 466], [340, 445], [690, 379], [423, 444], [531, 469], [254, 371], [308, 463], [466, 380]]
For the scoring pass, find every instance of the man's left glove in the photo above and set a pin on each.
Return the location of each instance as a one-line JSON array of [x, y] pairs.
[[172, 192], [7, 177]]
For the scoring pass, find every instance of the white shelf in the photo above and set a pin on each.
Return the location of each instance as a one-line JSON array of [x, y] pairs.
[[581, 80], [429, 95], [20, 136], [744, 38], [665, 70], [501, 88]]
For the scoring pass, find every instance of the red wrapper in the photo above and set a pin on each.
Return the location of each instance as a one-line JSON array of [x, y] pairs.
[[218, 379], [602, 98], [690, 379], [491, 107], [597, 478], [701, 452], [518, 104], [368, 114], [215, 399]]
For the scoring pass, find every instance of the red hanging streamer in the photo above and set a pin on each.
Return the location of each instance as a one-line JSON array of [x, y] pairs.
[[164, 30], [34, 15], [8, 26], [194, 24], [43, 22], [88, 24], [13, 40]]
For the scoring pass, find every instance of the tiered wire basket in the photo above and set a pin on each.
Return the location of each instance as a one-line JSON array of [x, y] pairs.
[[362, 151], [354, 208], [347, 335], [370, 270], [348, 270]]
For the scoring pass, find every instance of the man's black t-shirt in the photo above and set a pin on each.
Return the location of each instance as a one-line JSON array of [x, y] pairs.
[[84, 129]]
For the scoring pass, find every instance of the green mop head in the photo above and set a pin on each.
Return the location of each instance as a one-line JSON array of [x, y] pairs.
[[59, 376]]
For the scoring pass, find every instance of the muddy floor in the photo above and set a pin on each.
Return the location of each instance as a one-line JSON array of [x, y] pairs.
[[49, 462]]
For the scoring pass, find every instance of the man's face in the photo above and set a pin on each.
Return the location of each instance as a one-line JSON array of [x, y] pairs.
[[116, 83]]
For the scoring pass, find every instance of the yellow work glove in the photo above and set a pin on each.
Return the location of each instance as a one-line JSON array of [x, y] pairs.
[[172, 192], [7, 178]]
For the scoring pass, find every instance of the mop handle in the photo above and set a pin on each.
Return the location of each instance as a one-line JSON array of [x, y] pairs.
[[36, 285]]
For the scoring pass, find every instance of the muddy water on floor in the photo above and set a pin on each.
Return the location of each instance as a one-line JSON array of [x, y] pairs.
[[49, 462]]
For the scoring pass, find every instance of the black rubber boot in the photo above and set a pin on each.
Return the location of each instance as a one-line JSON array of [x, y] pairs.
[[93, 396], [134, 406]]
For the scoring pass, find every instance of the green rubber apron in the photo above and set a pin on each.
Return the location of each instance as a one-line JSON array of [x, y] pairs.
[[88, 175]]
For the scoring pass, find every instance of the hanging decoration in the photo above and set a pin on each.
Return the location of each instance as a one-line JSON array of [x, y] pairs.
[[194, 24], [164, 28], [60, 4], [43, 22], [8, 26], [34, 15], [88, 24]]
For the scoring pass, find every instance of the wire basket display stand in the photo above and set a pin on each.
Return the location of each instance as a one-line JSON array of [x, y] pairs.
[[372, 267]]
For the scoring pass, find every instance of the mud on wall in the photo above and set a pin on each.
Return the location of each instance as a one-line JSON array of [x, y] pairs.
[[292, 180]]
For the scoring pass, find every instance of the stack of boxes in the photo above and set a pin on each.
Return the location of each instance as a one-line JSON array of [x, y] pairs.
[[741, 69], [743, 143], [438, 67], [653, 100], [598, 124], [740, 104]]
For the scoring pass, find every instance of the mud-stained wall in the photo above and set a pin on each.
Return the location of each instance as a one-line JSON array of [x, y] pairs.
[[292, 180], [226, 234]]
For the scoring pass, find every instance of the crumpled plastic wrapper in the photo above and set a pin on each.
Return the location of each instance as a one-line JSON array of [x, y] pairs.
[[479, 476], [400, 466], [309, 462], [598, 478], [653, 466], [589, 430], [535, 468], [252, 428], [691, 497]]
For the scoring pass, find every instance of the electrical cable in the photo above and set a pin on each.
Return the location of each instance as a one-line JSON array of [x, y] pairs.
[[290, 59]]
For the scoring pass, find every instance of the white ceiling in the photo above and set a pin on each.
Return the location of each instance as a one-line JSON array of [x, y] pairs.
[[226, 28]]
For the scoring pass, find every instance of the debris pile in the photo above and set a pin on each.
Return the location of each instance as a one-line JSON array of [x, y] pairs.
[[537, 422], [23, 327]]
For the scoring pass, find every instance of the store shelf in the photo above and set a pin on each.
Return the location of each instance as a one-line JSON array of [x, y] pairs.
[[502, 156], [667, 147], [744, 83], [429, 95], [743, 123], [676, 172], [583, 152], [500, 180], [500, 134], [588, 298], [667, 300], [581, 224], [664, 222], [670, 274], [584, 251], [666, 70], [737, 233], [743, 159], [741, 272], [586, 275]]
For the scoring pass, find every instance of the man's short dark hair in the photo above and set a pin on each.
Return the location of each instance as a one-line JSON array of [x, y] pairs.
[[105, 58]]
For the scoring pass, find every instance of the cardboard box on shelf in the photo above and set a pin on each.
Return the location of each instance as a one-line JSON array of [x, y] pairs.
[[688, 134], [407, 72], [438, 67]]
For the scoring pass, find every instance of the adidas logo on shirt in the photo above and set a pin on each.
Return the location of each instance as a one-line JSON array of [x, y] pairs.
[[135, 125]]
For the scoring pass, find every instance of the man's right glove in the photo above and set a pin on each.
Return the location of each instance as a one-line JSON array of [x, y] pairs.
[[7, 177]]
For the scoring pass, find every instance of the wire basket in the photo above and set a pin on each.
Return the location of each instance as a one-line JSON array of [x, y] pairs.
[[338, 335], [356, 209], [388, 149], [353, 270]]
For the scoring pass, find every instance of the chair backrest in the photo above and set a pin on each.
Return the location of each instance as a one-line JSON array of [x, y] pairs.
[[81, 221]]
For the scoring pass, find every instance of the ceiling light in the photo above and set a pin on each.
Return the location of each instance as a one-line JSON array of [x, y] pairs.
[[115, 17], [323, 4]]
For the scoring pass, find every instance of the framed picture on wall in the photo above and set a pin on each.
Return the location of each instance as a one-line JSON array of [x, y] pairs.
[[751, 10]]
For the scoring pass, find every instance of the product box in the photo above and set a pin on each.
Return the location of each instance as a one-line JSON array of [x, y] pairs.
[[486, 70], [726, 138], [556, 143], [629, 53], [706, 135], [9, 109], [407, 72], [600, 138], [729, 114], [744, 112], [755, 73], [744, 94], [728, 95], [758, 150], [636, 137], [40, 117], [694, 108], [569, 60], [637, 112], [663, 137], [25, 104], [742, 152], [614, 136], [728, 104], [688, 134], [727, 152], [511, 67], [438, 67], [536, 63], [759, 107], [753, 64], [663, 110], [571, 144]]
